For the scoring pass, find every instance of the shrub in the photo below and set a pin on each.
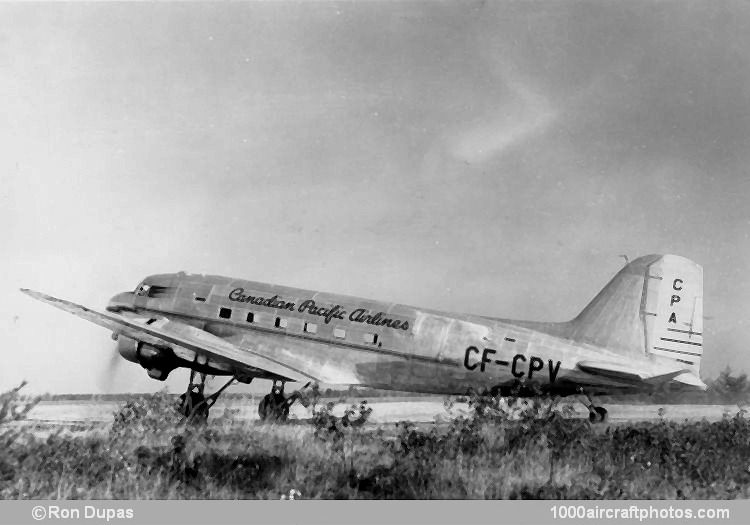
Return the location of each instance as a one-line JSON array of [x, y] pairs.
[[503, 448], [147, 415], [14, 407]]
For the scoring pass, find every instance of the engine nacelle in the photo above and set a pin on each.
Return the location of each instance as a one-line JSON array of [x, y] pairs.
[[158, 360], [127, 348]]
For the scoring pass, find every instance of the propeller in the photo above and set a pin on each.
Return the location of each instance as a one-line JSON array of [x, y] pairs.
[[111, 369]]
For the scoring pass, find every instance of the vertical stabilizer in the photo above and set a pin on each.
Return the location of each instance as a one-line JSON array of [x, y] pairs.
[[653, 306], [613, 318]]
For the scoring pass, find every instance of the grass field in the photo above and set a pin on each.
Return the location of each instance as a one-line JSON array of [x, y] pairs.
[[149, 453]]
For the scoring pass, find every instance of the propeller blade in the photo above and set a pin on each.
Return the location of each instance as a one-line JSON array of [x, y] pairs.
[[110, 372]]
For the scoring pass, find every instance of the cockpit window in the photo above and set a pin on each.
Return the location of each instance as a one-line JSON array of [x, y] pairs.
[[153, 290]]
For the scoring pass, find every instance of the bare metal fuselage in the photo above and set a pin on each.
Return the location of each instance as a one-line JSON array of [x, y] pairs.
[[356, 341]]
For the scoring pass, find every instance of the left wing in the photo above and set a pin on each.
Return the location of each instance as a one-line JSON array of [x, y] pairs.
[[158, 331]]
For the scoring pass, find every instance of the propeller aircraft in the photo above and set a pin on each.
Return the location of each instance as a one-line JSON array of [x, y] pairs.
[[641, 333]]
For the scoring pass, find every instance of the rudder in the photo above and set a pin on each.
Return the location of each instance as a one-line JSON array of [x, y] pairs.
[[673, 310]]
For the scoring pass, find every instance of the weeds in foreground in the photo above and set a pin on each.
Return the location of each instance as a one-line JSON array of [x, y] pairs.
[[501, 449], [344, 435], [13, 406]]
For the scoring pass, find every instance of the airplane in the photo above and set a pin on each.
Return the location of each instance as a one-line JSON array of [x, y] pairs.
[[642, 332]]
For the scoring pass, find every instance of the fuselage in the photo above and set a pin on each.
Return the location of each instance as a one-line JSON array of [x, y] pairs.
[[382, 345]]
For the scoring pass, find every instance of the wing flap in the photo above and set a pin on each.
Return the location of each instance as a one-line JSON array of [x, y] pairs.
[[162, 330]]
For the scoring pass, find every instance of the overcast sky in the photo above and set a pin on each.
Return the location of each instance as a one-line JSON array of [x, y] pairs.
[[493, 158]]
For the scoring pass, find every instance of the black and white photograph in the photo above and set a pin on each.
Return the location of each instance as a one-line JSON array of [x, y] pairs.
[[378, 250]]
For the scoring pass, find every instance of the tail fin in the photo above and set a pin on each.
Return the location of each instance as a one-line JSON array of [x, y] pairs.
[[673, 311], [654, 305]]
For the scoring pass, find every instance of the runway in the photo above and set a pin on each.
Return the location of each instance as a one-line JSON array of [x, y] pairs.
[[384, 411]]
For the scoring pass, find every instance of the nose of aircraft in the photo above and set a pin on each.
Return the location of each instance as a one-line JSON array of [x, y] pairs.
[[121, 301]]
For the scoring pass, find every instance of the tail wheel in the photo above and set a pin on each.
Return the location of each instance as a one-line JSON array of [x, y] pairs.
[[598, 415]]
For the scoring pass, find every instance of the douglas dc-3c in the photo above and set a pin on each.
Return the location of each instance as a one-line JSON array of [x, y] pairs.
[[641, 333]]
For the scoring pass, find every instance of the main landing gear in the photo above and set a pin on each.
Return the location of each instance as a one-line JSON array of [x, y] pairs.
[[274, 407], [596, 414], [194, 404]]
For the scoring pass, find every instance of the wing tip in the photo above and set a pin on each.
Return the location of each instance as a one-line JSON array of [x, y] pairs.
[[39, 296]]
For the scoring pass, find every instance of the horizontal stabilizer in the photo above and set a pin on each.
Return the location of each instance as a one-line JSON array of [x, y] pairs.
[[625, 373], [691, 380], [613, 370], [663, 378]]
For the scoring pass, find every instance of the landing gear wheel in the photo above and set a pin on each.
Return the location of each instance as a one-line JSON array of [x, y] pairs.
[[273, 407], [264, 409], [193, 406], [597, 414]]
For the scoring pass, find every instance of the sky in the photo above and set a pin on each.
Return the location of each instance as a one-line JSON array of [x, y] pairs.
[[494, 158]]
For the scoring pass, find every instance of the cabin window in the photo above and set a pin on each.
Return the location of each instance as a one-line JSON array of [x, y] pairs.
[[311, 328], [225, 313], [339, 333], [280, 323], [371, 338], [250, 317]]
